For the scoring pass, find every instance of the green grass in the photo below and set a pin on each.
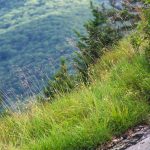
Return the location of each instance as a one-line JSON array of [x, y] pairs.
[[89, 116]]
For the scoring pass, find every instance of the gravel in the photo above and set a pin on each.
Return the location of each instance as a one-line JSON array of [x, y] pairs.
[[137, 138]]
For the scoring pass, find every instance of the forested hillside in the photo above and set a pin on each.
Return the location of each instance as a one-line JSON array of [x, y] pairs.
[[33, 36]]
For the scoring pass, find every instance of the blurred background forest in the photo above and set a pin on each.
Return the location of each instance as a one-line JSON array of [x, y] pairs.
[[34, 34]]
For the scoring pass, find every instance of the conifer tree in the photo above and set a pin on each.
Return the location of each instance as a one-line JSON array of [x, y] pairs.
[[100, 34], [103, 30], [61, 82]]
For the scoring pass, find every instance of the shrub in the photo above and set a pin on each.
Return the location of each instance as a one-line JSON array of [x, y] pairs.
[[61, 82]]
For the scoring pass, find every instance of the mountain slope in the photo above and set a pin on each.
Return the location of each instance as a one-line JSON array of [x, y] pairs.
[[85, 118]]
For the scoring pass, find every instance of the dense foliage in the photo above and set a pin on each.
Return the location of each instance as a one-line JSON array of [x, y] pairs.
[[100, 34], [102, 31]]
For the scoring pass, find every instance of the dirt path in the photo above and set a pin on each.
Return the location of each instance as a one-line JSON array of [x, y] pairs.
[[143, 145], [134, 139]]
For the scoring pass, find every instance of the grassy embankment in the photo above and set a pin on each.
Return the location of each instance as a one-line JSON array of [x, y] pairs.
[[89, 116]]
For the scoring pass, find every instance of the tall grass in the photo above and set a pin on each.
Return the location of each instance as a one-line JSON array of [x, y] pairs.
[[88, 116]]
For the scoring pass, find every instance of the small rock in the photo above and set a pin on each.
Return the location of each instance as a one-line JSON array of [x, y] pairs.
[[138, 136]]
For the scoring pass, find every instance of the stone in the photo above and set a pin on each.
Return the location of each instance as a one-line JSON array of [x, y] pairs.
[[143, 145]]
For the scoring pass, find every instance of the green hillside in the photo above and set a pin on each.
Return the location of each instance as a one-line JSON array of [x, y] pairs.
[[85, 118], [113, 97]]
